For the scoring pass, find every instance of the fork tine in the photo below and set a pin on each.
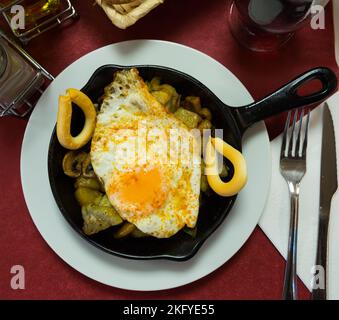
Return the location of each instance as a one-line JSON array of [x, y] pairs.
[[283, 145], [290, 146], [297, 144], [306, 134]]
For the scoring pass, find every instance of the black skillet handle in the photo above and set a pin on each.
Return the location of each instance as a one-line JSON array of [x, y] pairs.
[[286, 98]]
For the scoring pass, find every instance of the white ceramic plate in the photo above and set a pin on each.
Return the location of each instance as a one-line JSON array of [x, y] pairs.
[[119, 272]]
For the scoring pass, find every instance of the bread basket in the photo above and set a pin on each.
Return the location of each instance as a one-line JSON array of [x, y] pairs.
[[124, 13]]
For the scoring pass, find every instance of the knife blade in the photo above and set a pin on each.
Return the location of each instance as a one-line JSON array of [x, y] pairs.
[[328, 187]]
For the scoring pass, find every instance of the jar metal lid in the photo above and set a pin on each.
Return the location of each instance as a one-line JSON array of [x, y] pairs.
[[3, 60]]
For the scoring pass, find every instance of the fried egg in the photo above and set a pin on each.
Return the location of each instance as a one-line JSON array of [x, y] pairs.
[[148, 160]]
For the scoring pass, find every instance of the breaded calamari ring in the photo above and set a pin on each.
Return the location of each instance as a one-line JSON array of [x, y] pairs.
[[65, 116], [231, 188]]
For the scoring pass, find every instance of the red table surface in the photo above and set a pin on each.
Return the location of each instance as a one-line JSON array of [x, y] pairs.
[[256, 271]]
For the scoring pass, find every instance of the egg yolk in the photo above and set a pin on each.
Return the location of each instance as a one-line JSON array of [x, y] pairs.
[[143, 189]]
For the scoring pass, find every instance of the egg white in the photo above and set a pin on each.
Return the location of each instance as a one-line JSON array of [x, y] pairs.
[[131, 121]]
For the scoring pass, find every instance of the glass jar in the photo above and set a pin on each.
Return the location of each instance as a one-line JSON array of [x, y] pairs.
[[39, 16], [35, 10], [18, 78]]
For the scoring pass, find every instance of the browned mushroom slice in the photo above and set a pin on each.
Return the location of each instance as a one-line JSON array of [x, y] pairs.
[[72, 163], [87, 168]]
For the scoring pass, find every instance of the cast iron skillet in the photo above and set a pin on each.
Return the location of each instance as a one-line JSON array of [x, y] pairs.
[[233, 121]]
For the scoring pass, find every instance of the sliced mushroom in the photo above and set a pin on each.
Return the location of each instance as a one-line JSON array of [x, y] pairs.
[[87, 169], [72, 163]]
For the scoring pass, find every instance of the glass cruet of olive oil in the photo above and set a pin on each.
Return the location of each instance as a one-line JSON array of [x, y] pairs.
[[35, 10]]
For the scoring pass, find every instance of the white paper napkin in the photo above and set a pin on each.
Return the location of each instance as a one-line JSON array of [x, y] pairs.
[[275, 219]]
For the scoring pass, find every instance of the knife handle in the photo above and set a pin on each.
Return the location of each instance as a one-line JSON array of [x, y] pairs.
[[321, 259]]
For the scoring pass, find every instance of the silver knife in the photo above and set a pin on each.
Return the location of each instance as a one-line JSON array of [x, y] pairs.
[[328, 186]]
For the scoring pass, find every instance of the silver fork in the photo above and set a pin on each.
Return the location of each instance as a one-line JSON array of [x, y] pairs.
[[293, 168]]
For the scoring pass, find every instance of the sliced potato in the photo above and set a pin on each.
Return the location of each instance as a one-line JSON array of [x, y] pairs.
[[148, 84], [155, 83], [104, 202], [165, 94], [86, 196], [206, 113], [193, 103], [174, 103], [169, 89], [204, 125], [97, 218], [125, 230], [90, 183], [161, 96], [136, 233], [189, 118]]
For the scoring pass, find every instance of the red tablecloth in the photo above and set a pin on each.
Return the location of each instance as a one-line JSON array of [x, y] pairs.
[[256, 271]]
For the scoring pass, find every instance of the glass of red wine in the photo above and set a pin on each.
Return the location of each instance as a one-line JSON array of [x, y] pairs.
[[266, 25]]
